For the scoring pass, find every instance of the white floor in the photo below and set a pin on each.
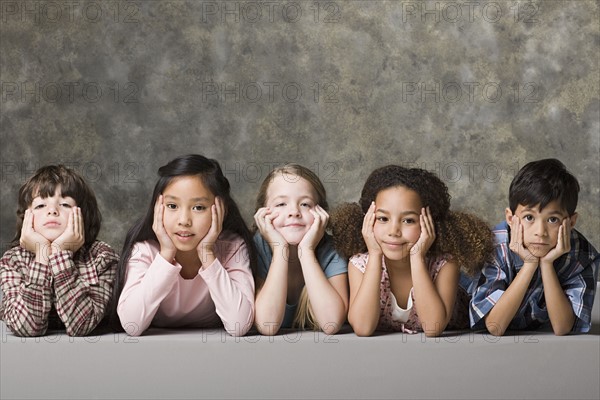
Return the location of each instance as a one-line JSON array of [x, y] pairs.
[[210, 364]]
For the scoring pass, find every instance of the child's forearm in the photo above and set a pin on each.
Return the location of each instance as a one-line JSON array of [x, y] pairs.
[[364, 310], [145, 289], [79, 305], [500, 316], [232, 290], [328, 306], [559, 307], [271, 298], [27, 304], [433, 314]]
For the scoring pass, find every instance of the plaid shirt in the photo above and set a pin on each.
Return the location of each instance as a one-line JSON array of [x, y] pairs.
[[577, 273], [76, 288]]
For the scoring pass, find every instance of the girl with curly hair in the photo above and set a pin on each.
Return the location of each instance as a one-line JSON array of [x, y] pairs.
[[406, 250]]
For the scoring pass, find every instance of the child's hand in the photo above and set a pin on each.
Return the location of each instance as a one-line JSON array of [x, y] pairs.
[[427, 236], [74, 235], [167, 248], [264, 222], [31, 240], [373, 247], [206, 247], [563, 244], [316, 231], [516, 242]]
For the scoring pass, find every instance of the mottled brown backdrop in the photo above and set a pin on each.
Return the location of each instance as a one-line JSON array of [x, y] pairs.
[[470, 90]]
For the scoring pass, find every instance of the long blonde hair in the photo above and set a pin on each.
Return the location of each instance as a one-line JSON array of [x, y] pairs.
[[304, 317]]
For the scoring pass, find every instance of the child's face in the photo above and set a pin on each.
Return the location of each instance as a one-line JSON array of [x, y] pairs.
[[397, 227], [187, 216], [51, 214], [540, 228], [291, 197]]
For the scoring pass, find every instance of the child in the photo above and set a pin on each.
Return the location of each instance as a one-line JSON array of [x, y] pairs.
[[407, 249], [58, 276], [543, 270], [302, 281], [188, 262]]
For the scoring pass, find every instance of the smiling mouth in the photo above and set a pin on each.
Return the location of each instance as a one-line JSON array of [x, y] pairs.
[[393, 244], [184, 235]]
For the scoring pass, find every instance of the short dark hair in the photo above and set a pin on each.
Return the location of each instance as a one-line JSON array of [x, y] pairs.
[[44, 184], [541, 182]]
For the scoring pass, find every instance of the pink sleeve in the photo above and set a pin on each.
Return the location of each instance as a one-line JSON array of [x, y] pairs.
[[360, 261], [231, 287], [148, 281]]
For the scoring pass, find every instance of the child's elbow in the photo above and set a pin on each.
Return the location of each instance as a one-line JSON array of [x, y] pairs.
[[561, 331], [26, 332], [363, 330], [267, 329], [433, 333], [494, 329], [331, 328]]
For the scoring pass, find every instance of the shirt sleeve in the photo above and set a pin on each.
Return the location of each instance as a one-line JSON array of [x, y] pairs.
[[581, 289], [332, 263], [231, 288], [263, 254], [492, 283], [149, 279], [27, 288], [83, 287]]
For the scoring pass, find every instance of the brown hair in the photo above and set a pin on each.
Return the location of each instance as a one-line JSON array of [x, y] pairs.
[[304, 317], [44, 183], [465, 237]]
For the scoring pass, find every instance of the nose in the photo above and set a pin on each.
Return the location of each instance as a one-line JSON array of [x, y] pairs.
[[52, 210], [540, 228], [395, 229], [184, 218], [293, 211]]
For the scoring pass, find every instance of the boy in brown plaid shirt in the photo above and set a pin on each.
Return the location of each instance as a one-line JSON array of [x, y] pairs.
[[58, 276]]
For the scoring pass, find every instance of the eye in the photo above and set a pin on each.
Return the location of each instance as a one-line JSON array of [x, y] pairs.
[[528, 218], [309, 205], [408, 221], [66, 205], [279, 204], [38, 206], [171, 206], [198, 208], [554, 220], [382, 219]]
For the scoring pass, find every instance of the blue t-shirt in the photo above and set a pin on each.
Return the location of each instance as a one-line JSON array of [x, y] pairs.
[[329, 260]]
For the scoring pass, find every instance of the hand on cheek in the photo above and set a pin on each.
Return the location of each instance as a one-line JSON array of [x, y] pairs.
[[33, 241], [317, 229], [206, 247], [73, 236], [563, 242]]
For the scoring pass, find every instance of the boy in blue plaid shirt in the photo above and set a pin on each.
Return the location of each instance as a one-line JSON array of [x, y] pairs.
[[542, 270]]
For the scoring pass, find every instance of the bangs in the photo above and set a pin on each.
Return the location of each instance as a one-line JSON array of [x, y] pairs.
[[48, 180]]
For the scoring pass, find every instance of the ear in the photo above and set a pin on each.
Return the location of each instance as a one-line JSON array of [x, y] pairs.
[[573, 219], [508, 215]]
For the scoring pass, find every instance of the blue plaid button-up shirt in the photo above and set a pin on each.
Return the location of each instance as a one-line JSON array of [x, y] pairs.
[[577, 272]]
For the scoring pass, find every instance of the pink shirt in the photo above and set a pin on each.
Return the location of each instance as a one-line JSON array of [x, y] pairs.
[[221, 294]]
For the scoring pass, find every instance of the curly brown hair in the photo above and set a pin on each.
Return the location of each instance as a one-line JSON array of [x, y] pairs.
[[464, 236]]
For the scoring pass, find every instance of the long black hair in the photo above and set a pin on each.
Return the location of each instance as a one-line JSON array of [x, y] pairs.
[[209, 171]]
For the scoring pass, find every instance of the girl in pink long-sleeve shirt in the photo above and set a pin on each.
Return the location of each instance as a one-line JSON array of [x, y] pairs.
[[189, 261]]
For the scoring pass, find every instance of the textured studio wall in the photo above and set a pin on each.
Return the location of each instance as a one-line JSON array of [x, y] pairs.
[[471, 90]]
